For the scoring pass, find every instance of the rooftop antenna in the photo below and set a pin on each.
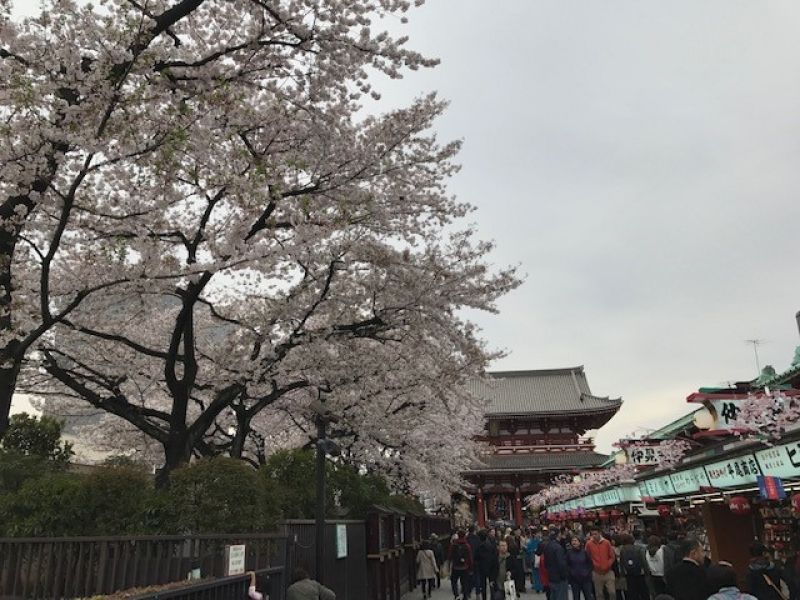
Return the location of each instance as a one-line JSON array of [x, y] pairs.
[[756, 344]]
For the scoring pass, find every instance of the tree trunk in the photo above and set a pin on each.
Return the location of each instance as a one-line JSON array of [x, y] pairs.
[[177, 453], [8, 383]]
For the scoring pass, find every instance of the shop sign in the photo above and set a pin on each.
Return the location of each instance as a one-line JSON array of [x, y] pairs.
[[630, 493], [659, 487], [733, 472], [690, 480], [725, 412], [608, 497], [781, 461], [643, 454]]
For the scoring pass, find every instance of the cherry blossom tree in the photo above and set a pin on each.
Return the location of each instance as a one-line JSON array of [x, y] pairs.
[[95, 110], [256, 242]]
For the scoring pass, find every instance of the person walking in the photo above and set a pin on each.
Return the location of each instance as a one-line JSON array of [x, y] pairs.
[[655, 565], [555, 558], [603, 559], [533, 546], [461, 562], [517, 568], [763, 576], [485, 559], [579, 567], [501, 573], [427, 568], [634, 566], [688, 580], [671, 553], [438, 553]]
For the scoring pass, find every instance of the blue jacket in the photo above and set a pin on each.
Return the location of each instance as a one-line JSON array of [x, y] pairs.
[[555, 561]]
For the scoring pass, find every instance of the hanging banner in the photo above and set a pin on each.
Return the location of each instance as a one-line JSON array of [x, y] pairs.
[[771, 488], [781, 461], [733, 472]]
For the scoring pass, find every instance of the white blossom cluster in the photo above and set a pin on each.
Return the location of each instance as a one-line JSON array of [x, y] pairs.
[[203, 236]]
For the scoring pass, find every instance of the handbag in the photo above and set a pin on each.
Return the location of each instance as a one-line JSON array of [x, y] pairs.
[[510, 589]]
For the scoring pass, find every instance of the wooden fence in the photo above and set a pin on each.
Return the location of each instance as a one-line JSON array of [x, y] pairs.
[[393, 539], [86, 566], [225, 588]]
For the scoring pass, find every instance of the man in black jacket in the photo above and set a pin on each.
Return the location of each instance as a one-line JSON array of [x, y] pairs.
[[687, 580], [555, 561], [485, 564]]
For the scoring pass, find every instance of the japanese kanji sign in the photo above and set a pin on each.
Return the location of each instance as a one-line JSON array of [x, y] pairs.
[[780, 461], [733, 472]]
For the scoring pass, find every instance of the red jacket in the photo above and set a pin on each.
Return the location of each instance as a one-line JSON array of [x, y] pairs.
[[461, 541], [602, 555]]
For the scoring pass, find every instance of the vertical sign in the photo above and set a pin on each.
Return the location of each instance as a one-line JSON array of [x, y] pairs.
[[234, 559], [341, 540]]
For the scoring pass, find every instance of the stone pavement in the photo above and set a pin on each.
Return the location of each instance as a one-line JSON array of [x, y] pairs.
[[446, 593]]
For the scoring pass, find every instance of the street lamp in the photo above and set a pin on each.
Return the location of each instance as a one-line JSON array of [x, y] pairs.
[[324, 446]]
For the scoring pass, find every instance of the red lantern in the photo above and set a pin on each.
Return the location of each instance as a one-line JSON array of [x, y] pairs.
[[664, 510], [616, 514], [739, 505], [603, 515], [796, 503]]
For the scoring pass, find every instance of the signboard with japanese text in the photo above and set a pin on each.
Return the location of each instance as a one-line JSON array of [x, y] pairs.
[[643, 455], [733, 472], [234, 559], [725, 412], [608, 497], [690, 480], [780, 461], [659, 487]]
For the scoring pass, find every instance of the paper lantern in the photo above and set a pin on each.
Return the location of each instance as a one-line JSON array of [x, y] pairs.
[[603, 515], [616, 514], [739, 505], [664, 510], [796, 503]]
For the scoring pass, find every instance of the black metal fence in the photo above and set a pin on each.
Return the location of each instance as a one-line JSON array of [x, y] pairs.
[[226, 588], [345, 565], [78, 567]]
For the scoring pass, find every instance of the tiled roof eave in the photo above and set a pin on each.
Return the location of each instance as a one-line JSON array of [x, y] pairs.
[[611, 409]]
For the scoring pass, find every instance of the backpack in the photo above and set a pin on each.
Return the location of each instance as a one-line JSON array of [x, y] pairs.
[[631, 562], [460, 556]]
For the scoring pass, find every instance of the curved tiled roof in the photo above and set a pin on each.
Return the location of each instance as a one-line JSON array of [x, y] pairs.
[[539, 461], [541, 392]]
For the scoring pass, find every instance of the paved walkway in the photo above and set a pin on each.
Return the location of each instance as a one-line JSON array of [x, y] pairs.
[[446, 593]]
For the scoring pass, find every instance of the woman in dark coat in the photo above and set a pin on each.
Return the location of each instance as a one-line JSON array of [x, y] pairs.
[[579, 566]]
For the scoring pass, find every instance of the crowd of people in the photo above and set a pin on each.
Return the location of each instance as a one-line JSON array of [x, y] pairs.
[[623, 566]]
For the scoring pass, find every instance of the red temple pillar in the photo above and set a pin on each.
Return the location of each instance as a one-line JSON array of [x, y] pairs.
[[481, 509], [517, 507]]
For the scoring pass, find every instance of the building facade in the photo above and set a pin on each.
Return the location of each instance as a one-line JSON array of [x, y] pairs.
[[536, 424]]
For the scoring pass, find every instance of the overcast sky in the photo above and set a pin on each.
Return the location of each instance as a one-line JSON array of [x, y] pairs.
[[639, 161]]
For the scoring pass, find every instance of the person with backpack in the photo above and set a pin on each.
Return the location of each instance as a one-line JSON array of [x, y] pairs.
[[633, 565], [460, 566], [438, 553]]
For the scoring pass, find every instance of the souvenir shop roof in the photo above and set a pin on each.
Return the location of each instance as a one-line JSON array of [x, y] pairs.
[[538, 461], [542, 392]]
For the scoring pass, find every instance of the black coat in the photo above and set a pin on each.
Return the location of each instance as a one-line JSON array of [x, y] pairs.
[[757, 583], [555, 561], [688, 581], [486, 558]]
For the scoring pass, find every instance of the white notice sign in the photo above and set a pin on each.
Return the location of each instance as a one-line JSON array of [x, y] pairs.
[[341, 541], [234, 559]]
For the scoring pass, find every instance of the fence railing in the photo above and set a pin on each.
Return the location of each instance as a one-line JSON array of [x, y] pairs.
[[57, 568], [272, 584]]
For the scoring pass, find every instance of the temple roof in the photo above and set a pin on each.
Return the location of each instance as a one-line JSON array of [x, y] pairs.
[[539, 461], [541, 392]]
